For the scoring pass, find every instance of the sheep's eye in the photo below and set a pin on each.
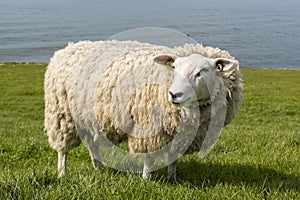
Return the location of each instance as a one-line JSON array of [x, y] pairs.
[[198, 74], [220, 66], [170, 64]]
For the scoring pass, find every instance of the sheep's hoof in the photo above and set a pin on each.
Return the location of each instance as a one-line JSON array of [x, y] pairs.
[[147, 176], [61, 173], [171, 179], [97, 164]]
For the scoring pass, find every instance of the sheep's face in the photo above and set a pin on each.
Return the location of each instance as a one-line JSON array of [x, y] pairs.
[[193, 77]]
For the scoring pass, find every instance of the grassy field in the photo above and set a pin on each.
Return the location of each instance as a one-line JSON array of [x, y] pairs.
[[256, 157]]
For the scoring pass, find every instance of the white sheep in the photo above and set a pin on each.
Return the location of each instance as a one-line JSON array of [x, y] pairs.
[[109, 90]]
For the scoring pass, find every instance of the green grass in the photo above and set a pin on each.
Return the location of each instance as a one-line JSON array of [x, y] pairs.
[[256, 157]]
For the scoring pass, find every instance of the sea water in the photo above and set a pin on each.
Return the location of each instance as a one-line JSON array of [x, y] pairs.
[[259, 33]]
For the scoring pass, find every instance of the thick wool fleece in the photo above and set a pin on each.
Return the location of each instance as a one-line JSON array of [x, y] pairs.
[[114, 88]]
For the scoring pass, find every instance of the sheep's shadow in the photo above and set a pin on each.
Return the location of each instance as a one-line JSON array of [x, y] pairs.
[[213, 174]]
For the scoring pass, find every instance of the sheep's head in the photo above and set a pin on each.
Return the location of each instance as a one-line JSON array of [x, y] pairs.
[[195, 76]]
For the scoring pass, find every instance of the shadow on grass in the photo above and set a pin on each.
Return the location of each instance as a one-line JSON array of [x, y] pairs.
[[212, 174]]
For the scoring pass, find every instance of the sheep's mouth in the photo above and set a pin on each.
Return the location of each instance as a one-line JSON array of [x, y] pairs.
[[176, 102], [201, 102]]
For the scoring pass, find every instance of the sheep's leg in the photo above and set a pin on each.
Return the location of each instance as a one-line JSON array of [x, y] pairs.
[[94, 152], [172, 161], [62, 163], [95, 155], [148, 162]]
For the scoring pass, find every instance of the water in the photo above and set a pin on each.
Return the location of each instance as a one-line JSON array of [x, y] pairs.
[[259, 33]]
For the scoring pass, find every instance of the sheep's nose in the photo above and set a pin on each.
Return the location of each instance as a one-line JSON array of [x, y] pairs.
[[176, 95]]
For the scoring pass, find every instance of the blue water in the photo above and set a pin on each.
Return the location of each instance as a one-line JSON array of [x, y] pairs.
[[259, 33]]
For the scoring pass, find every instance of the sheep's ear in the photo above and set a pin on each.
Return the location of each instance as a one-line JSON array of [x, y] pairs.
[[225, 64], [167, 60]]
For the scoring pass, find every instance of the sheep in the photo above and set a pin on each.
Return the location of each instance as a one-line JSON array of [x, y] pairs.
[[113, 91]]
